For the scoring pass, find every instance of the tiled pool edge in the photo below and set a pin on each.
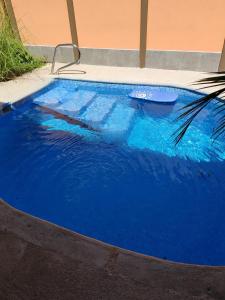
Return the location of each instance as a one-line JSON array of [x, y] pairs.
[[29, 83], [54, 78], [40, 259]]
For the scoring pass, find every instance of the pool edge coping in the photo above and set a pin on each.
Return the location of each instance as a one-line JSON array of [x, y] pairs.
[[55, 79]]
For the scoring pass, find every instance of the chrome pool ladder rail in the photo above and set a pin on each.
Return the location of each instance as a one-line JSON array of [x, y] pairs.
[[76, 59]]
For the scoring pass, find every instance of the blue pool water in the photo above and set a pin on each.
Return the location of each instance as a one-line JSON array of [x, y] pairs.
[[114, 174]]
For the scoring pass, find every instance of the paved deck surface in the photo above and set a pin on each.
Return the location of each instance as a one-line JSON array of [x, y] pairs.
[[14, 90]]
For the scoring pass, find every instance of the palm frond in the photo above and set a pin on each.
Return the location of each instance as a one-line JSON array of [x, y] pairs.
[[219, 111], [192, 110], [212, 86], [212, 79], [184, 127], [220, 128]]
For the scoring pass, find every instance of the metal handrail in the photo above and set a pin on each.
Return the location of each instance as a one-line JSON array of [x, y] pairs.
[[76, 59]]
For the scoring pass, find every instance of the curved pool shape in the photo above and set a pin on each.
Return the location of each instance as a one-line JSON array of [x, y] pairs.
[[87, 157]]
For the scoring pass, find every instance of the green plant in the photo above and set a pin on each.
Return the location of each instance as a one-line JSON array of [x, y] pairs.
[[192, 110], [14, 58]]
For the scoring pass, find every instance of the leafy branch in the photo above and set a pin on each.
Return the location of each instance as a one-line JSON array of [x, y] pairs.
[[190, 111]]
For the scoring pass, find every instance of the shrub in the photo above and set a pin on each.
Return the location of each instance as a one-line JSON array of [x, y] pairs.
[[14, 58]]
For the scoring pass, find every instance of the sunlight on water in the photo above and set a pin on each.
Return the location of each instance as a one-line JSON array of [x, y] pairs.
[[156, 135]]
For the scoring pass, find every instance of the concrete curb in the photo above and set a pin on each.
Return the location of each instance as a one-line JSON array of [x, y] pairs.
[[173, 60]]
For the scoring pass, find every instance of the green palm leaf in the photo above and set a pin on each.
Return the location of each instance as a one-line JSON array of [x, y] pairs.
[[190, 111]]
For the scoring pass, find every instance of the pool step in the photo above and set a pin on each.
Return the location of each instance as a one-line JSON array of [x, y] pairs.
[[88, 110], [98, 110], [76, 102], [142, 135], [120, 119], [51, 98]]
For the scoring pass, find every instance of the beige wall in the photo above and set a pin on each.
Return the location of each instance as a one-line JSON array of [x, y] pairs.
[[108, 23], [42, 22], [173, 24], [186, 25]]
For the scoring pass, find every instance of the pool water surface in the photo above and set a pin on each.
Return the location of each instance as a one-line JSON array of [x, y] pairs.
[[87, 157]]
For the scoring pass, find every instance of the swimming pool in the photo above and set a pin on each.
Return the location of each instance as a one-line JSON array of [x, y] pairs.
[[108, 169]]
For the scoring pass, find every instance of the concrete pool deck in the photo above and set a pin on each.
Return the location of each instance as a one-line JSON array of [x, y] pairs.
[[15, 90], [40, 260]]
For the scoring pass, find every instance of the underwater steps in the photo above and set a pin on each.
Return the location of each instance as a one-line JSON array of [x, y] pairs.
[[89, 110], [93, 116]]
